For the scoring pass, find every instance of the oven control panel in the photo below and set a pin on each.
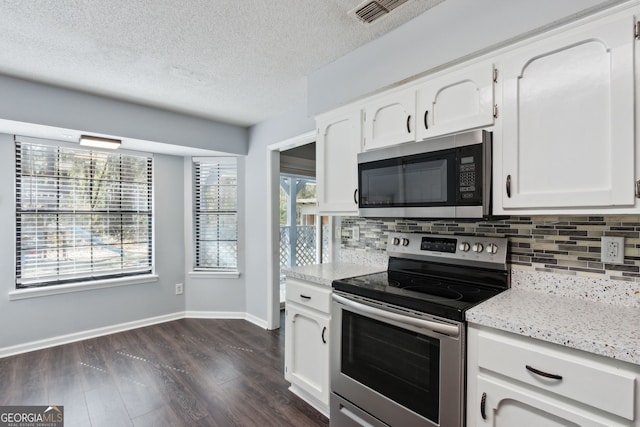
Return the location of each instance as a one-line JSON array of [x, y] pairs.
[[448, 247]]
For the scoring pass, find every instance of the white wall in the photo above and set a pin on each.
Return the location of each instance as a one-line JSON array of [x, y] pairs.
[[290, 124], [210, 295], [33, 319], [55, 110], [453, 30], [30, 102]]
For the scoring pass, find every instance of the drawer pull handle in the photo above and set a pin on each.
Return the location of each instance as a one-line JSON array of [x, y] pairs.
[[324, 341], [305, 297], [409, 124], [426, 114], [483, 404], [543, 374]]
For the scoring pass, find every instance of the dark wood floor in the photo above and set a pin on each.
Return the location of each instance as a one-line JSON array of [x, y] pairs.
[[189, 372]]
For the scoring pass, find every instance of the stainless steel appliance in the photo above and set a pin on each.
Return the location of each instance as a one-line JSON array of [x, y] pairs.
[[448, 177], [398, 337]]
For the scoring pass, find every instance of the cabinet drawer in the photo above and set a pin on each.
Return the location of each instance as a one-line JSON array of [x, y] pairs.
[[579, 377], [309, 295]]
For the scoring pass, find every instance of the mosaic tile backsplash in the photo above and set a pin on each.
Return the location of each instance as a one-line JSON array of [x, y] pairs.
[[556, 244]]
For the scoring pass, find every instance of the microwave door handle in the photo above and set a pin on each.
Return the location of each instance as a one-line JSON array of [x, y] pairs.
[[430, 325]]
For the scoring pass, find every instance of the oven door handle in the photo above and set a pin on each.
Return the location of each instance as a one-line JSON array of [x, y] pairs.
[[430, 325]]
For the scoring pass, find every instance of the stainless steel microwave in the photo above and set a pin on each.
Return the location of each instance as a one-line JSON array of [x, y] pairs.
[[448, 177]]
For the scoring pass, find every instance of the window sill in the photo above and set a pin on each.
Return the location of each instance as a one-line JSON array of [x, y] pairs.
[[19, 294], [214, 274]]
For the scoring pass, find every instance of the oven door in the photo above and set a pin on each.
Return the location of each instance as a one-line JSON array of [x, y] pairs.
[[399, 367]]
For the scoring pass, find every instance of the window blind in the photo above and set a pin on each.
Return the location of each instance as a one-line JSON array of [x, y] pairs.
[[216, 213], [81, 214]]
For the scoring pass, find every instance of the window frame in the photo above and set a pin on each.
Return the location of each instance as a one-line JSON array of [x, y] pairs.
[[213, 271], [110, 278]]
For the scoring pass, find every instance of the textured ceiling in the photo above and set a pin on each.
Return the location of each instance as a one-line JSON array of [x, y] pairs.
[[236, 61]]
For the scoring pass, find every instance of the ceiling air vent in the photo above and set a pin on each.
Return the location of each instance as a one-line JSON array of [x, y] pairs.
[[369, 11]]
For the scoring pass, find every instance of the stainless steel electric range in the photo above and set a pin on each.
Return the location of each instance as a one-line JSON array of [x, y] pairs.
[[398, 337]]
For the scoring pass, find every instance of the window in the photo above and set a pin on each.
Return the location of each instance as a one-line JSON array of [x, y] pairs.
[[216, 213], [81, 215]]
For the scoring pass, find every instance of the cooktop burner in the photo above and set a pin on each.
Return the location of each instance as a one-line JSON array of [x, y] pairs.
[[444, 286]]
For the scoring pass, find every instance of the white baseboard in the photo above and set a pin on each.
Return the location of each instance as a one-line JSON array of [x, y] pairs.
[[215, 315], [256, 320], [227, 315], [92, 333], [121, 327]]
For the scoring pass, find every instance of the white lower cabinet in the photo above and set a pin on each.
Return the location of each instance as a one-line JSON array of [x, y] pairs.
[[506, 405], [306, 361], [518, 381]]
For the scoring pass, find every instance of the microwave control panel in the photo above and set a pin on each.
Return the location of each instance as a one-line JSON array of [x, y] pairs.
[[469, 169]]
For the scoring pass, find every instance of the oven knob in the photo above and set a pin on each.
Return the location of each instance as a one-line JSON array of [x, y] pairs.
[[396, 241], [477, 247], [405, 242], [492, 248], [464, 247]]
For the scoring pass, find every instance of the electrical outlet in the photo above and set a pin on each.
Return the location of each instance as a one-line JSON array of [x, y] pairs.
[[612, 250], [355, 233], [179, 288]]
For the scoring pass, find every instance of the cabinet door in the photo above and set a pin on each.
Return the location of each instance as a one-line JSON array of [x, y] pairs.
[[455, 102], [568, 129], [337, 149], [390, 120], [501, 404], [307, 351]]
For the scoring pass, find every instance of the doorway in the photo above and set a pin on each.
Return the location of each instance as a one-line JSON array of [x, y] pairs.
[[304, 235], [273, 237]]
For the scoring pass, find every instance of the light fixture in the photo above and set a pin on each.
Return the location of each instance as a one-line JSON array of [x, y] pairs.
[[99, 142]]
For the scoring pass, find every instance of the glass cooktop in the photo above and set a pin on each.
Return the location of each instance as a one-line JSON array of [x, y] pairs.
[[440, 296]]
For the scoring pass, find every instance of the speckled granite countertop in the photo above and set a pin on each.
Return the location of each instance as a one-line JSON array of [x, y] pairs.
[[605, 329], [324, 274]]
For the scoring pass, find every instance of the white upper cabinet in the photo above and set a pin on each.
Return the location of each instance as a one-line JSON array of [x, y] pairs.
[[337, 148], [456, 101], [390, 120], [568, 120]]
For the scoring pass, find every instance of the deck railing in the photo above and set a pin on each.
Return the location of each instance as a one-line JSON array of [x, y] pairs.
[[305, 246]]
